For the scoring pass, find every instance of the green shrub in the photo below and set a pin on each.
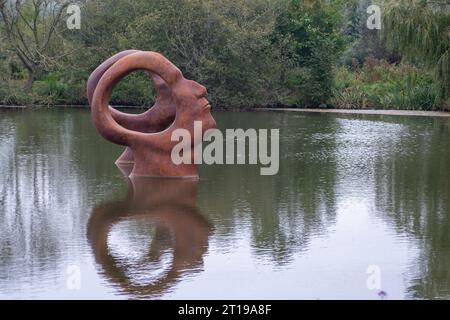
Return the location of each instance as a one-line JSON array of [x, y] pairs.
[[12, 93], [380, 85], [314, 42], [135, 89]]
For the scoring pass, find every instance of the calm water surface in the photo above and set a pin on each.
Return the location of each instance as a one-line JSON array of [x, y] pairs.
[[353, 192]]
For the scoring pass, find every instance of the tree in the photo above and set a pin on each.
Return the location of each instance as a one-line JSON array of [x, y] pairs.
[[31, 28], [312, 30], [364, 42], [420, 29], [227, 46]]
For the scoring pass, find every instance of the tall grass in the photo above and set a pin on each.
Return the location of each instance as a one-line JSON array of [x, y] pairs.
[[380, 85]]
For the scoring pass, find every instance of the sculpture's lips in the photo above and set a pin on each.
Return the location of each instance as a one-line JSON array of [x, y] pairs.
[[207, 106]]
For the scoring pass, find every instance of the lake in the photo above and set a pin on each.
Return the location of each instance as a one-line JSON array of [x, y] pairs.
[[360, 209]]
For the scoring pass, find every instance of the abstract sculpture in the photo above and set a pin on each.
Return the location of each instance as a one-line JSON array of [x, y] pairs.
[[157, 118], [151, 150]]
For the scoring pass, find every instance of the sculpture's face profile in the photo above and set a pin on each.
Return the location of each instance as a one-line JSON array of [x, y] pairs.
[[191, 98]]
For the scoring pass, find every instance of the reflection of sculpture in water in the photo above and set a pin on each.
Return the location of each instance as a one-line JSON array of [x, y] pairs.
[[170, 207], [155, 119], [152, 151]]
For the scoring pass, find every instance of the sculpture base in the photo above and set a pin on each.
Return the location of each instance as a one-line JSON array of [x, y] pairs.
[[151, 164], [126, 157]]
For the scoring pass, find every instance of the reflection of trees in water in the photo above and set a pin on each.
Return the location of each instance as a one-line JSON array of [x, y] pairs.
[[54, 168], [168, 205], [405, 161], [44, 194], [413, 194], [281, 211], [33, 214]]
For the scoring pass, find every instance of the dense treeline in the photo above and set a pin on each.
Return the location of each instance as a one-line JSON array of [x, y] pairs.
[[246, 52]]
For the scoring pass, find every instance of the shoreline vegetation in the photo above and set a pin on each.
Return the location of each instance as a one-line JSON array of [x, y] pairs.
[[266, 53]]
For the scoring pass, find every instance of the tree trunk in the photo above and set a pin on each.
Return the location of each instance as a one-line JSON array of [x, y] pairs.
[[29, 84]]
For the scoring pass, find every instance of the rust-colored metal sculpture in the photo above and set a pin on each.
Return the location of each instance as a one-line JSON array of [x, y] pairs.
[[157, 118], [152, 151], [168, 205]]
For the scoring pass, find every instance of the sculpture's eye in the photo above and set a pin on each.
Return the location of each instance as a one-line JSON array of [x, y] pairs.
[[204, 92], [198, 90]]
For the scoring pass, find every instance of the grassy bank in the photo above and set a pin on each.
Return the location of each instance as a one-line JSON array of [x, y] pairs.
[[375, 84], [379, 85]]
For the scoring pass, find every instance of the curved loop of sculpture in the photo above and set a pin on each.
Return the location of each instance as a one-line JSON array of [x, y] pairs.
[[167, 205], [155, 119], [152, 151]]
